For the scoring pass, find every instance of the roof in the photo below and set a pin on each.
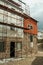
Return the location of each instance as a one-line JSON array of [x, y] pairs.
[[33, 19]]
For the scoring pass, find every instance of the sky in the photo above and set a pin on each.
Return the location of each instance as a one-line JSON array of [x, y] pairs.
[[36, 11]]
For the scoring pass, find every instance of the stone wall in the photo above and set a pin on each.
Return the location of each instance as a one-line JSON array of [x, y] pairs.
[[26, 49]]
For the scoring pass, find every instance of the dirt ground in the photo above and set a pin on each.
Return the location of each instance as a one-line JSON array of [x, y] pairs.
[[30, 60], [23, 61]]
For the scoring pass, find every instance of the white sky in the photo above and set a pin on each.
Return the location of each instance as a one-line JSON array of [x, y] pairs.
[[36, 10]]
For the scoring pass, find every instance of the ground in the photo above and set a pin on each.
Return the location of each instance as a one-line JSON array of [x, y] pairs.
[[30, 60]]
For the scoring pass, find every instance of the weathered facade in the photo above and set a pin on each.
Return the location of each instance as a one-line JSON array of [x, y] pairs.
[[31, 34], [16, 42]]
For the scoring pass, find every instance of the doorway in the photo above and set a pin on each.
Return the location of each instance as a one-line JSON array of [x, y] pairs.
[[12, 49]]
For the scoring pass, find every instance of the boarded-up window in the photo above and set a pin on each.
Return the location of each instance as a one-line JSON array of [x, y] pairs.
[[1, 46], [19, 46], [31, 38]]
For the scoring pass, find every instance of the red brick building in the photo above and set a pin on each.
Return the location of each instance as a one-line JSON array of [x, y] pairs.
[[31, 22]]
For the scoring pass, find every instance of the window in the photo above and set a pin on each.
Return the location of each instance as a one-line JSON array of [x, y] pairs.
[[31, 38], [30, 26], [1, 46], [12, 28], [19, 46]]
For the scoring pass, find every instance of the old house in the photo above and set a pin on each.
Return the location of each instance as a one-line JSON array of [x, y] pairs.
[[18, 31]]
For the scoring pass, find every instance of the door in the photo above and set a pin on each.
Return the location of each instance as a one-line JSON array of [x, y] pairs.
[[12, 49]]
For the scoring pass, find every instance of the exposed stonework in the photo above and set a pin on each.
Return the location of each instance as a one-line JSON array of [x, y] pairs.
[[26, 49]]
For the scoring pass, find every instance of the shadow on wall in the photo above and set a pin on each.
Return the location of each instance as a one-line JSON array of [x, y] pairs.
[[38, 61]]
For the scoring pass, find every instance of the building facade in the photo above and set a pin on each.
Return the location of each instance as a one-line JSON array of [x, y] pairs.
[[31, 34], [40, 35], [40, 40], [16, 41]]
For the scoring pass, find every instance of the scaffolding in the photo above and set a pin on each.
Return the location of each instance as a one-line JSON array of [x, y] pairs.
[[6, 27], [11, 25]]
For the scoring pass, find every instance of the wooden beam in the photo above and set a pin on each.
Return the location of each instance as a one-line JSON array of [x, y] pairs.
[[13, 11], [12, 25], [14, 2]]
